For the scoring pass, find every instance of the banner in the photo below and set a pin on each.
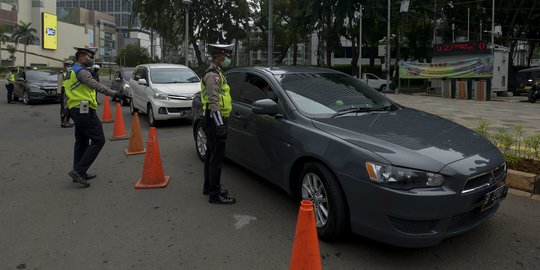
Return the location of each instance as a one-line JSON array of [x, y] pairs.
[[50, 31], [478, 67]]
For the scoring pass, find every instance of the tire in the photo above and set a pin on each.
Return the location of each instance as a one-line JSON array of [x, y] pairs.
[[132, 108], [200, 141], [150, 114], [382, 88], [15, 98], [531, 97], [318, 184], [26, 99]]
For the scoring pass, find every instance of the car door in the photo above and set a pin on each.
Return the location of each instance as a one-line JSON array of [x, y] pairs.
[[19, 84], [116, 81], [138, 94], [259, 140]]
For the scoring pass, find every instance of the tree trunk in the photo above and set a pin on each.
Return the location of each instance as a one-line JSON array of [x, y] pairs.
[[354, 60], [200, 61], [295, 49], [371, 58], [328, 41], [24, 56]]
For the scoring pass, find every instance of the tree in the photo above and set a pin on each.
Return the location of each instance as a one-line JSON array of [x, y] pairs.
[[133, 55], [12, 50], [3, 39], [25, 33]]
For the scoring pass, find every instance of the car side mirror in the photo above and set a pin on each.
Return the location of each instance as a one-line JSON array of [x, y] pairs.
[[265, 106], [142, 82]]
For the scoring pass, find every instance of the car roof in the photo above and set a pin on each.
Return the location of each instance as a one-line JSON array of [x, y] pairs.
[[529, 69], [287, 70], [162, 65]]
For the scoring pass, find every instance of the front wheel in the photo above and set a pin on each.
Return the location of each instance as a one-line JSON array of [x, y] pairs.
[[200, 141], [318, 184], [132, 108], [26, 98], [382, 88], [150, 114], [532, 96]]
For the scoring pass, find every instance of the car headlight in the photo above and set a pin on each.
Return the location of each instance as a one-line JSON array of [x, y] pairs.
[[160, 95], [402, 178], [126, 85]]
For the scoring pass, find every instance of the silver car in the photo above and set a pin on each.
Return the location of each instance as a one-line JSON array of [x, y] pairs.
[[163, 91], [370, 166]]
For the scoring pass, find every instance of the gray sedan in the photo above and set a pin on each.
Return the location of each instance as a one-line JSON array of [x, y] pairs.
[[381, 170]]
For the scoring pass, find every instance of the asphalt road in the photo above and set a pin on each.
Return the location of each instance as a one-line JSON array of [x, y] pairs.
[[46, 222]]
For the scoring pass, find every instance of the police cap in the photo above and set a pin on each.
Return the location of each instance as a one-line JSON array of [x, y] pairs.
[[88, 50], [217, 49]]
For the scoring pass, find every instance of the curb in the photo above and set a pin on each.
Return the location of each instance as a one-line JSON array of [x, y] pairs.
[[528, 183]]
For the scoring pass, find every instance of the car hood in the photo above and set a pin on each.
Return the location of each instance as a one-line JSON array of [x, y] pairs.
[[408, 137], [181, 89]]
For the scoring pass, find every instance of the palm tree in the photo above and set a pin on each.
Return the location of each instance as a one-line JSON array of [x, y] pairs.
[[12, 50], [3, 39], [26, 34]]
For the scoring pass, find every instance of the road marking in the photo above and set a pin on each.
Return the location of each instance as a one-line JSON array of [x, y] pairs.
[[242, 220]]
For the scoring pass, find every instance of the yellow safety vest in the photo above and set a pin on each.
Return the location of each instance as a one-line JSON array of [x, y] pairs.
[[225, 100], [12, 77], [77, 91]]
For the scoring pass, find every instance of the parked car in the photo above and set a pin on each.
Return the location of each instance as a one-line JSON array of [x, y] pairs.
[[163, 91], [36, 86], [121, 81], [375, 82], [526, 78], [387, 172]]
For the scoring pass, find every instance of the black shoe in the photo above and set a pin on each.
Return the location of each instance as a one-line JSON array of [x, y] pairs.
[[89, 176], [222, 191], [78, 178], [222, 199], [66, 125]]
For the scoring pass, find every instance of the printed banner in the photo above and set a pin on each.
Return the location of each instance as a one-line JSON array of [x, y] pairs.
[[478, 67], [50, 31]]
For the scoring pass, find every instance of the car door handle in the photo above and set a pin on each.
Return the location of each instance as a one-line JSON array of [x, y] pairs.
[[237, 115]]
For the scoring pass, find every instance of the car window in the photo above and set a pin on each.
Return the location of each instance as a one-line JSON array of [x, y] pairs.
[[42, 76], [323, 94], [137, 74], [126, 74], [173, 75], [256, 88], [118, 75], [370, 76], [235, 81]]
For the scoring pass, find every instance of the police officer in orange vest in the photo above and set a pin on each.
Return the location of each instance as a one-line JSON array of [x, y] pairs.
[[217, 105]]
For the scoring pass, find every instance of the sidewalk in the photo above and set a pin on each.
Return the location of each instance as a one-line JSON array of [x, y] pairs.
[[502, 112]]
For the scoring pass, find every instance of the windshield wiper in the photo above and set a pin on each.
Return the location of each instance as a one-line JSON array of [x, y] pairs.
[[360, 110]]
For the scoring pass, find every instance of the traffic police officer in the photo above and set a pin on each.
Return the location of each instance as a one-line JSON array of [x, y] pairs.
[[217, 106], [10, 84], [81, 89], [64, 110]]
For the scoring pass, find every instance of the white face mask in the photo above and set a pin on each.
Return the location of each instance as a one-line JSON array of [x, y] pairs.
[[226, 62]]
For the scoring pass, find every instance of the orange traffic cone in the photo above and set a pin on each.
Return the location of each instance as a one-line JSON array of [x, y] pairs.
[[136, 145], [119, 131], [107, 117], [152, 175], [306, 254]]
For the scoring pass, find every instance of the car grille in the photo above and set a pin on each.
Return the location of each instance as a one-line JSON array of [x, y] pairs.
[[178, 110], [413, 226], [485, 179], [175, 97], [474, 216]]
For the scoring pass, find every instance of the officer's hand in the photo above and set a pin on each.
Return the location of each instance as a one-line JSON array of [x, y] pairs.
[[221, 132], [122, 96]]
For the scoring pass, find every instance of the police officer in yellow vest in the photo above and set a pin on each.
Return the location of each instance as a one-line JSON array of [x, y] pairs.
[[64, 109], [10, 84], [81, 89], [217, 106]]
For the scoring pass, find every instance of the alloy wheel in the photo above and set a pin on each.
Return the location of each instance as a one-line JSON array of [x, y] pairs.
[[201, 142], [314, 190]]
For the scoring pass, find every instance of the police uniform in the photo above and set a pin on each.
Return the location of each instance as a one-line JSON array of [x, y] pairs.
[[10, 84], [217, 105], [64, 110], [80, 88]]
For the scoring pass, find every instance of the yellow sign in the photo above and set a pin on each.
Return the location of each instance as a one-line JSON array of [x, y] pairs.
[[50, 31]]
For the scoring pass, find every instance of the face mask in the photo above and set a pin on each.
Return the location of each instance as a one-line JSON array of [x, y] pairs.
[[226, 62], [88, 63]]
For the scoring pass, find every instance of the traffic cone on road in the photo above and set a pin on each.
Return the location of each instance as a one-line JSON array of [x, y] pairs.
[[306, 254], [136, 145], [107, 116], [152, 174], [119, 131]]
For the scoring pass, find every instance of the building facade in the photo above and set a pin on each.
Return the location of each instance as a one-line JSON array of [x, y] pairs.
[[129, 26]]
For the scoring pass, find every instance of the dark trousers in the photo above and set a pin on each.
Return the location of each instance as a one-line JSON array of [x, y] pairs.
[[214, 157], [89, 139], [9, 88], [64, 110]]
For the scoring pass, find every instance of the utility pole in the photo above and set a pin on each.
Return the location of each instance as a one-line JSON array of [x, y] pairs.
[[388, 47], [270, 28], [360, 46]]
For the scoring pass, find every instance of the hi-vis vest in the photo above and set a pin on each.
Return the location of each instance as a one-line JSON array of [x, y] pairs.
[[77, 91], [225, 101], [11, 78]]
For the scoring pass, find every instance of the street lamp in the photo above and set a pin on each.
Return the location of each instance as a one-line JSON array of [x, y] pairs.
[[187, 3]]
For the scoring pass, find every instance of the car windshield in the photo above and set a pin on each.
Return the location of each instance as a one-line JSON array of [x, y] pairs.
[[173, 75], [322, 95], [126, 74], [41, 76]]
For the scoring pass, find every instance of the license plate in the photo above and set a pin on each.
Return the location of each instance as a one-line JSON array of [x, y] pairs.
[[186, 112], [494, 197]]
